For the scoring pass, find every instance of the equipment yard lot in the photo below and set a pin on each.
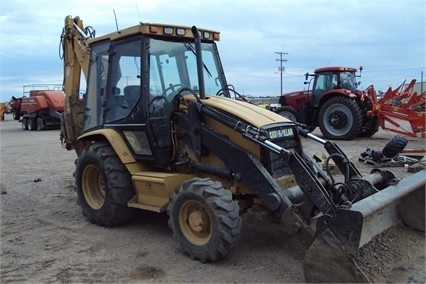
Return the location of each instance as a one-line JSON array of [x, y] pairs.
[[45, 237]]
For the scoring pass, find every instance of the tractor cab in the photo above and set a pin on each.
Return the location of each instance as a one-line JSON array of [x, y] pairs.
[[134, 81], [335, 79]]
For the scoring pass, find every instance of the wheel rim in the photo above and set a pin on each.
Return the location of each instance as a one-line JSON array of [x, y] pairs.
[[93, 185], [195, 222], [338, 119]]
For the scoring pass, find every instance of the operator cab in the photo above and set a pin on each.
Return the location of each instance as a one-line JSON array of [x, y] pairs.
[[133, 84], [332, 78]]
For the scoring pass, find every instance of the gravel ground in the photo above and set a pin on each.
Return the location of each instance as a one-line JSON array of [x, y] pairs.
[[45, 238]]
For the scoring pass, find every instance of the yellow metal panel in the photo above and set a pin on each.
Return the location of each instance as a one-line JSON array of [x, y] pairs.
[[153, 189]]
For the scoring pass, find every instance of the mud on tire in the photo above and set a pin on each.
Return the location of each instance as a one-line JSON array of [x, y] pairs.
[[204, 219], [103, 185]]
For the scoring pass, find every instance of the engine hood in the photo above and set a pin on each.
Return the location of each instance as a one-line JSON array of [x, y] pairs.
[[244, 111]]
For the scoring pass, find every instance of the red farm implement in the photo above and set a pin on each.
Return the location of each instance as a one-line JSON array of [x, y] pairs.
[[401, 110]]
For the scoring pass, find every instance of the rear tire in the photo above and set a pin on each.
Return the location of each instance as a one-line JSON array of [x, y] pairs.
[[104, 186], [394, 146], [41, 124], [340, 118], [204, 219]]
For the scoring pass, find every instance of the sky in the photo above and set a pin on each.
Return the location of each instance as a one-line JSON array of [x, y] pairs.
[[386, 37]]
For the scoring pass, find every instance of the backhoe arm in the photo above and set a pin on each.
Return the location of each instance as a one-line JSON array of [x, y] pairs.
[[75, 57]]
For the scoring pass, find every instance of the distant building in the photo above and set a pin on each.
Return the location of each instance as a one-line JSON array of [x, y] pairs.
[[419, 87]]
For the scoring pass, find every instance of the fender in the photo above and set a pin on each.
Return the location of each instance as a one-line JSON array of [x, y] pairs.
[[115, 140], [338, 92]]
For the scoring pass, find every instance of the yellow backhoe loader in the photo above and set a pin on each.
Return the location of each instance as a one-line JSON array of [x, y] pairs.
[[160, 129]]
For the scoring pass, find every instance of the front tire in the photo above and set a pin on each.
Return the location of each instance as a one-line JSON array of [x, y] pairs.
[[371, 127], [16, 114], [289, 113], [293, 115], [204, 219], [340, 118], [104, 186]]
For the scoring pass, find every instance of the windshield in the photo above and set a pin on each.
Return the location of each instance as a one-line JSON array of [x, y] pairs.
[[348, 81], [173, 67]]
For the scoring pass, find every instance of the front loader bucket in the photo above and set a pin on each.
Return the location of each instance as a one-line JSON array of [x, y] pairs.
[[332, 257]]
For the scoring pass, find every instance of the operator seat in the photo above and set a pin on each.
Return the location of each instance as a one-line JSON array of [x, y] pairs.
[[132, 94]]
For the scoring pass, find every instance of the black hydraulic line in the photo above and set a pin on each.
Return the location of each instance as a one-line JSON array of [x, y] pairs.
[[336, 154], [207, 168]]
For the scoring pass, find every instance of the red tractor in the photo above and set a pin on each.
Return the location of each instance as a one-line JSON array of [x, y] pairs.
[[334, 104]]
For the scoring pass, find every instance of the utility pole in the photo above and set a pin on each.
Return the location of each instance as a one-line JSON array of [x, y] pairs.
[[281, 68]]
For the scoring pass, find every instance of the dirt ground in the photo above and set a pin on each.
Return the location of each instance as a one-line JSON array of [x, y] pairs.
[[45, 238]]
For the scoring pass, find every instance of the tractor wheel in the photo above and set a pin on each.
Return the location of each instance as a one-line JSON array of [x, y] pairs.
[[394, 146], [340, 118], [16, 114], [292, 114], [371, 127], [104, 186], [32, 124], [25, 123], [289, 113], [204, 219]]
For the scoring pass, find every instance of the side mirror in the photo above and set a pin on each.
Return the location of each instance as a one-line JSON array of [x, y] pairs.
[[306, 76]]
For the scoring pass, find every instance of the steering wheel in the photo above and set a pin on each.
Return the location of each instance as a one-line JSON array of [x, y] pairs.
[[173, 88], [158, 110], [157, 98]]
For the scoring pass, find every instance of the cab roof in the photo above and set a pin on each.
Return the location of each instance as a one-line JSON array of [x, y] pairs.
[[335, 69], [162, 30]]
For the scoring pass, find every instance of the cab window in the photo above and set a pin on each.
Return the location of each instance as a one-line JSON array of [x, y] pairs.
[[124, 89]]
